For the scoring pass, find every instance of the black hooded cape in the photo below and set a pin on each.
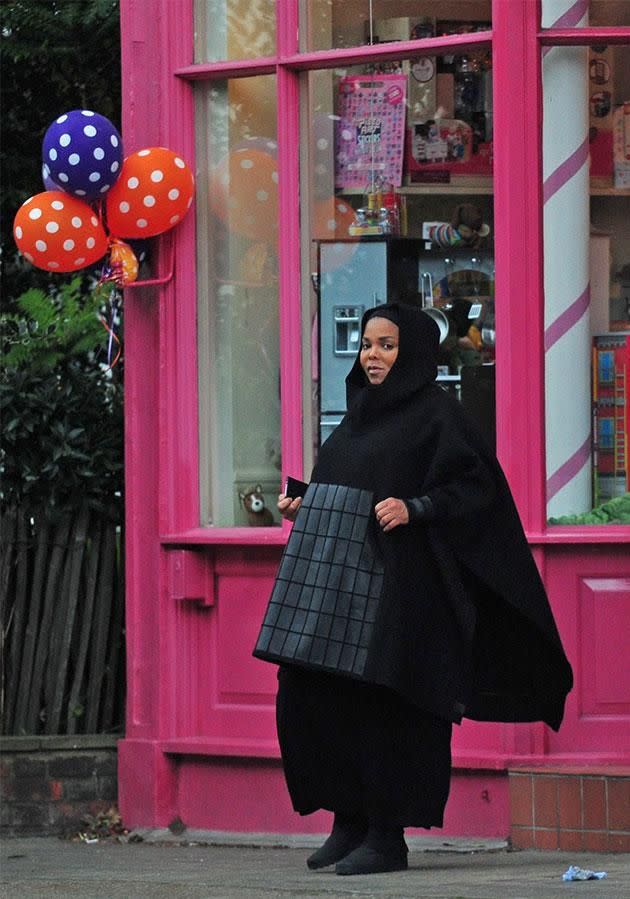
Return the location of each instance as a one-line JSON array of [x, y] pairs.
[[463, 627]]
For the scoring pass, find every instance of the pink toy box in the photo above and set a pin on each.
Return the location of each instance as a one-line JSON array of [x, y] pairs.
[[370, 133]]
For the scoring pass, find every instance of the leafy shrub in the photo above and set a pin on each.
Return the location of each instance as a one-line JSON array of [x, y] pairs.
[[61, 405]]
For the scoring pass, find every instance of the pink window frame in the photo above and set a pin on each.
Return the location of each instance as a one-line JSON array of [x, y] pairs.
[[549, 37], [516, 41]]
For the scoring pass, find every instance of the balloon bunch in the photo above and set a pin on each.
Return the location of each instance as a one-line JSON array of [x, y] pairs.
[[94, 197]]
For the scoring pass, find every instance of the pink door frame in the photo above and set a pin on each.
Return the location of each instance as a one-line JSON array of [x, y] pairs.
[[200, 740]]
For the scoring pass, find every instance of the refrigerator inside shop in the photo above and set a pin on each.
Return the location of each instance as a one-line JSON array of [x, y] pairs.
[[455, 287]]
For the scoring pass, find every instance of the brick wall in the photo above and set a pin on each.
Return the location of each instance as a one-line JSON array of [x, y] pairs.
[[570, 809], [48, 784]]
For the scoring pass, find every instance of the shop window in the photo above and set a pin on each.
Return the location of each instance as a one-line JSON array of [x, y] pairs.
[[338, 24], [234, 29], [239, 367], [396, 157], [586, 215]]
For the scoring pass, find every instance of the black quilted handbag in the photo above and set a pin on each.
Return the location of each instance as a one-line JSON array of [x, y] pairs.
[[326, 594]]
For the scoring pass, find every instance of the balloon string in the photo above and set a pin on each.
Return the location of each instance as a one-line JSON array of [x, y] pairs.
[[113, 337]]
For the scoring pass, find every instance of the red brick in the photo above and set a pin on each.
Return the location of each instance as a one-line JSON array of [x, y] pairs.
[[595, 840], [569, 802], [522, 838], [545, 801], [545, 839], [619, 842], [56, 789], [619, 803], [570, 840], [521, 800], [593, 803]]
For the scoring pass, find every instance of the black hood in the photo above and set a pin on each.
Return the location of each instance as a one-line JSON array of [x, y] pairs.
[[414, 368]]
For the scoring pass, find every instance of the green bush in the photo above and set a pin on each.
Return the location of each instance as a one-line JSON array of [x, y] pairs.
[[61, 405]]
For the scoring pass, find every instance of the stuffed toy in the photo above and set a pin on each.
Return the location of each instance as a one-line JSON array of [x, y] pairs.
[[258, 515], [466, 228]]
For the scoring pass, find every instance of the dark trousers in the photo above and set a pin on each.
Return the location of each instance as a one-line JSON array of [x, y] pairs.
[[361, 749]]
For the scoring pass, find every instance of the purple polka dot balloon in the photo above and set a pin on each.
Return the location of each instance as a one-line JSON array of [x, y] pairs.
[[83, 152]]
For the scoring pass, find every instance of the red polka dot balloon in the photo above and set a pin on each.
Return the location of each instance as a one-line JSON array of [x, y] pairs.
[[59, 233], [153, 193]]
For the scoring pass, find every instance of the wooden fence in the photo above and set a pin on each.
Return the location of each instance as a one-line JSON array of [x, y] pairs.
[[62, 616]]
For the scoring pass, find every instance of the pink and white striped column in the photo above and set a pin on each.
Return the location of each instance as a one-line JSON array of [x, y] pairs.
[[566, 263]]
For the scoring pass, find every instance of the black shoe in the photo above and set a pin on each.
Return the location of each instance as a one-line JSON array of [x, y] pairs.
[[384, 849], [366, 860], [347, 834]]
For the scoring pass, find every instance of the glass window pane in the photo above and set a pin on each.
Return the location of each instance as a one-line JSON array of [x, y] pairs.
[[392, 167], [586, 170], [597, 13], [609, 12], [234, 29], [329, 24], [239, 367]]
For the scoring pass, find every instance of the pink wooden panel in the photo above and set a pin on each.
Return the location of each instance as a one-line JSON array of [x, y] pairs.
[[518, 254], [589, 588], [217, 694], [604, 610], [477, 739], [236, 796], [242, 679], [237, 691], [141, 343]]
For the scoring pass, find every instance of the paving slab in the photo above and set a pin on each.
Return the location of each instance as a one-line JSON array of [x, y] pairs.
[[52, 868]]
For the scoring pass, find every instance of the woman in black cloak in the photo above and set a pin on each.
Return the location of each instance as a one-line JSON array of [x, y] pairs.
[[407, 598]]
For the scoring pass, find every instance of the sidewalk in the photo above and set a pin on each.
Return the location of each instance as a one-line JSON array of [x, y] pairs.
[[51, 868]]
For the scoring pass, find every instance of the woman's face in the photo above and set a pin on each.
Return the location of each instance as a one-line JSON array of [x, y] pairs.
[[379, 348]]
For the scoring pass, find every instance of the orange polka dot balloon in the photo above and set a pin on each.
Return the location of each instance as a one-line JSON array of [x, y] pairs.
[[331, 218], [152, 195], [244, 193], [59, 233]]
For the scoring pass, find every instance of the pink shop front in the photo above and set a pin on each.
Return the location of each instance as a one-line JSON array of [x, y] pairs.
[[338, 147]]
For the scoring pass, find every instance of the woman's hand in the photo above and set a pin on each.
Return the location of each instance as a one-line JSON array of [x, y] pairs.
[[391, 512], [288, 507]]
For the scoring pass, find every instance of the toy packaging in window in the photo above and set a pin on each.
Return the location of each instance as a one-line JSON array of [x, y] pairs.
[[370, 134], [445, 145]]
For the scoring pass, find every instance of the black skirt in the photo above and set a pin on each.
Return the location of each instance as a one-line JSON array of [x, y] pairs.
[[357, 748]]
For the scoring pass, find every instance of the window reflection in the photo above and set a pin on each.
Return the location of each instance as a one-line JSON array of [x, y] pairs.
[[234, 29], [238, 300], [587, 283], [598, 13], [337, 24]]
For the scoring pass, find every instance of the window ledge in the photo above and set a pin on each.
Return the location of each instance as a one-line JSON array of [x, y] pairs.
[[582, 533], [273, 536], [278, 536]]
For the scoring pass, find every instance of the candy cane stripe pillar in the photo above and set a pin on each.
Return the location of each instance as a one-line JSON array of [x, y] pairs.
[[566, 262]]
